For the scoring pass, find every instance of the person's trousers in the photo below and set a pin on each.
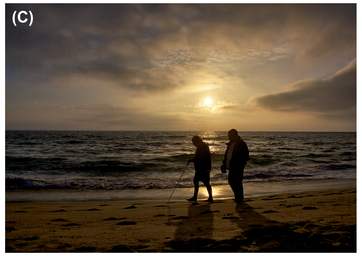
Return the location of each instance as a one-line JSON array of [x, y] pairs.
[[235, 179]]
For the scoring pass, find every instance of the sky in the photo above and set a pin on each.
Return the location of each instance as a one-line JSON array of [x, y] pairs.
[[181, 67]]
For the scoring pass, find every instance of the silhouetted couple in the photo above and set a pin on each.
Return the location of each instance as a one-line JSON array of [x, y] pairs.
[[235, 159]]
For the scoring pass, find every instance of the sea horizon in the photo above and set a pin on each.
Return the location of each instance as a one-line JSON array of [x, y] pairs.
[[98, 130]]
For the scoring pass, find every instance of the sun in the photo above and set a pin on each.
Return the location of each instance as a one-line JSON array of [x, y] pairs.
[[208, 101]]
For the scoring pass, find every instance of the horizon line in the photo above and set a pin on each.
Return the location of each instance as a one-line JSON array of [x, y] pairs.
[[75, 130]]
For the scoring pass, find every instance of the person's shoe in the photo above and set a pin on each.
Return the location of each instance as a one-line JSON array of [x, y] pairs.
[[192, 199], [210, 200], [239, 200]]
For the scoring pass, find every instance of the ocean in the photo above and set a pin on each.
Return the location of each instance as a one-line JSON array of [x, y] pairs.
[[115, 165]]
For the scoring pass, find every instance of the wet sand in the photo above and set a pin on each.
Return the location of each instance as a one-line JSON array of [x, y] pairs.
[[251, 189], [309, 221]]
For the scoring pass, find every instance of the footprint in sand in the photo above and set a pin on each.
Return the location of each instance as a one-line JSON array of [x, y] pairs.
[[120, 248], [309, 208], [159, 215], [181, 218], [311, 225], [293, 196], [113, 218], [85, 249], [208, 212], [59, 220], [31, 238], [248, 208], [331, 194], [63, 246], [71, 225], [277, 198], [126, 223], [294, 205], [131, 207], [9, 229], [93, 209], [230, 218], [62, 210]]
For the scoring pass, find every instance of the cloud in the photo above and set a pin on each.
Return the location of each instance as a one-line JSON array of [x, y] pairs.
[[325, 40], [223, 105], [175, 55], [336, 94], [148, 48], [90, 117]]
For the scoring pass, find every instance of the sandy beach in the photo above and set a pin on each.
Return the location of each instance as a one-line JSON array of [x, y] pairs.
[[310, 221]]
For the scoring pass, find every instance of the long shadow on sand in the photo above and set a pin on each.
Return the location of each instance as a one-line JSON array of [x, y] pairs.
[[197, 224], [257, 234]]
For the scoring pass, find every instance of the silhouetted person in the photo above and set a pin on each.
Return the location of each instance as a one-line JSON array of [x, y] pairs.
[[235, 159], [202, 163]]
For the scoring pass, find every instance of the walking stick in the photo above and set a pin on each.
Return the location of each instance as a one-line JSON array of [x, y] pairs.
[[178, 181]]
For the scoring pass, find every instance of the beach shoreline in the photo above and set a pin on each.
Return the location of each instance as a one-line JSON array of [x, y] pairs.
[[308, 221], [251, 189]]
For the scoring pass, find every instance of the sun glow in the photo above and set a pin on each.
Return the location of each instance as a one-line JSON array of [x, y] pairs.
[[208, 101]]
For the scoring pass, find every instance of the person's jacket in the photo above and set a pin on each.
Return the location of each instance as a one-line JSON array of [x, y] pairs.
[[202, 159], [240, 155]]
